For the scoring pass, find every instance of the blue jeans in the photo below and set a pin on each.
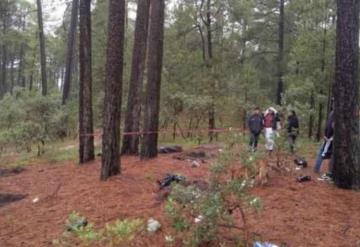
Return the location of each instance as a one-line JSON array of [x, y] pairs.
[[319, 158]]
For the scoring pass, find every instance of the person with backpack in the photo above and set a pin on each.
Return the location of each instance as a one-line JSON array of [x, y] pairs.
[[292, 129], [255, 125], [325, 151], [271, 125]]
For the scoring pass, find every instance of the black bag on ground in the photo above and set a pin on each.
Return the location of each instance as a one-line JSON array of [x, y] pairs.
[[300, 161], [169, 179]]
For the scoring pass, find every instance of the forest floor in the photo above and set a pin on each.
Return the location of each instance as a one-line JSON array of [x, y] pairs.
[[295, 214]]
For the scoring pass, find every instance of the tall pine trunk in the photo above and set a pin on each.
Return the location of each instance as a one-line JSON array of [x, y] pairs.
[[113, 90], [21, 68], [154, 68], [70, 51], [132, 121], [311, 118], [86, 138], [280, 84], [42, 49], [346, 168], [209, 40], [323, 63]]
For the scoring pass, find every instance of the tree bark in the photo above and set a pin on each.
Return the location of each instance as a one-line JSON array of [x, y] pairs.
[[211, 111], [132, 120], [113, 90], [311, 118], [280, 86], [86, 142], [12, 76], [154, 67], [42, 49], [346, 168], [70, 50], [20, 77]]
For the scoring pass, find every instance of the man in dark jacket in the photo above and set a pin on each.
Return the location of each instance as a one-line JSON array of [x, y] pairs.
[[326, 148], [292, 129], [255, 125]]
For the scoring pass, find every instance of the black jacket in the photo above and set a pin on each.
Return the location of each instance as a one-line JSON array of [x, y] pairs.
[[255, 123], [293, 125], [329, 130]]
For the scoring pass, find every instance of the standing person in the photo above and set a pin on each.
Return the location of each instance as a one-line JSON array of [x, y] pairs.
[[271, 124], [293, 129], [326, 147], [255, 125]]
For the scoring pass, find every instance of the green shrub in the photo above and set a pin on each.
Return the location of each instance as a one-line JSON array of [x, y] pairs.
[[201, 216]]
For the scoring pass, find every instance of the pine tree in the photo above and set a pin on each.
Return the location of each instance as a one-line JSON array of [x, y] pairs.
[[132, 120], [86, 142], [154, 68], [113, 91], [346, 168]]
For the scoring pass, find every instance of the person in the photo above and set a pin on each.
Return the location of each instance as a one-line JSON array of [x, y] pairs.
[[271, 125], [325, 151], [255, 125], [292, 129]]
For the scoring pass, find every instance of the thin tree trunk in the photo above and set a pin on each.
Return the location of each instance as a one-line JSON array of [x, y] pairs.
[[70, 51], [311, 118], [280, 86], [323, 63], [42, 49], [12, 77], [130, 143], [346, 168], [4, 71], [211, 111], [20, 77], [113, 91], [86, 142], [154, 68]]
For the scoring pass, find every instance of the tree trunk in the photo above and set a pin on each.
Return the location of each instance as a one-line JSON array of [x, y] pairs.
[[4, 71], [346, 168], [70, 50], [86, 142], [280, 86], [311, 119], [113, 90], [154, 68], [320, 121], [211, 111], [42, 49], [12, 77], [20, 77], [3, 81], [132, 119]]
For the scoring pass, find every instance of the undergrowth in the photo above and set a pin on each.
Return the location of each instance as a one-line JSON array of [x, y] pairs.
[[217, 215], [80, 232]]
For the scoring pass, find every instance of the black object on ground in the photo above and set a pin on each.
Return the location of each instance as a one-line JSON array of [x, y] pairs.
[[300, 161], [11, 171], [10, 198], [302, 179], [170, 149], [169, 179]]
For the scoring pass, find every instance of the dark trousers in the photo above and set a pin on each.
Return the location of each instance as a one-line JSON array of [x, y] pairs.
[[254, 140], [292, 140]]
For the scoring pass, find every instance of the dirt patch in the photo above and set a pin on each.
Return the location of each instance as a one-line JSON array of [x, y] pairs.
[[296, 214]]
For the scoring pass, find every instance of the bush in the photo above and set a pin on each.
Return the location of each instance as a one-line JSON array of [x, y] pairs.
[[27, 119], [207, 216]]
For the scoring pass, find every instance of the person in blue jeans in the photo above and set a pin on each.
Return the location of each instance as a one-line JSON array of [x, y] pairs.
[[326, 147]]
